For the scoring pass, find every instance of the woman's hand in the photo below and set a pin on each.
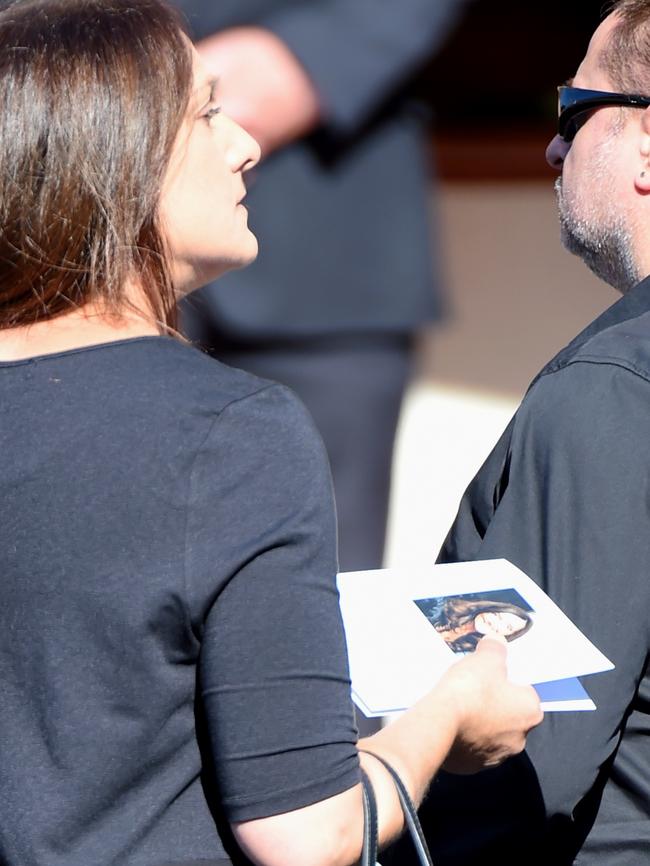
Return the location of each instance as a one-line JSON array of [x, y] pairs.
[[493, 716]]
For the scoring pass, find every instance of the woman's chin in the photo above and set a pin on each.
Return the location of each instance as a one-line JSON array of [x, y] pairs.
[[188, 277], [244, 255]]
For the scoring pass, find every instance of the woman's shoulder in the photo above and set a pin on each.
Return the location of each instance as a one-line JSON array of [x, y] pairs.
[[184, 371], [191, 384], [174, 377], [165, 389]]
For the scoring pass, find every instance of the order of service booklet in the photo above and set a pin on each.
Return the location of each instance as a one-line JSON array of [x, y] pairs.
[[406, 627]]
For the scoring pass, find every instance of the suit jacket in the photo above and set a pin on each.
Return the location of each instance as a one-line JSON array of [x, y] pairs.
[[343, 215]]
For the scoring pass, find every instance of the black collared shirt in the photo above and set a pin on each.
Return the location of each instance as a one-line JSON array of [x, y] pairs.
[[565, 496]]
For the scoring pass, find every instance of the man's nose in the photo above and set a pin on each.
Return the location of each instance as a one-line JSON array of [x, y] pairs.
[[556, 152]]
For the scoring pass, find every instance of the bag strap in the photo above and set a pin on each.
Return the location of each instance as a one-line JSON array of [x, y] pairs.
[[369, 850], [410, 813]]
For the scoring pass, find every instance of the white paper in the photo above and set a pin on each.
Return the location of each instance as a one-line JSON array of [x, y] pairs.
[[397, 655]]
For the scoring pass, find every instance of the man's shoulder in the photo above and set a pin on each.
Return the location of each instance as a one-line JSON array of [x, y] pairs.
[[594, 391], [624, 344]]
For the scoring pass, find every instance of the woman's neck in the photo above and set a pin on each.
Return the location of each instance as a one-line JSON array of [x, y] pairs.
[[87, 326]]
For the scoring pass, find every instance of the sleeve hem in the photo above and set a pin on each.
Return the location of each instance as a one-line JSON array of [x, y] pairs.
[[249, 809]]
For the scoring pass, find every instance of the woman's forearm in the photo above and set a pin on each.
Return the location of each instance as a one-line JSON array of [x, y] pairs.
[[330, 833], [415, 745], [473, 718]]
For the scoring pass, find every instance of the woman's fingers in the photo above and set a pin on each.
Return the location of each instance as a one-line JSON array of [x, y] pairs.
[[494, 714]]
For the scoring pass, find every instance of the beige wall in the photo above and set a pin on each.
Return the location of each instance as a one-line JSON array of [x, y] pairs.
[[517, 298]]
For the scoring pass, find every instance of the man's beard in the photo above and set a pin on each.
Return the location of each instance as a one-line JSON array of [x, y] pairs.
[[604, 244]]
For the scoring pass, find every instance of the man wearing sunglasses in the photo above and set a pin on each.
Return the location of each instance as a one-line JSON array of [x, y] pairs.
[[565, 495]]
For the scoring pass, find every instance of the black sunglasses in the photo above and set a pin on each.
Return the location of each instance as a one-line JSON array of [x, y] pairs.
[[575, 104]]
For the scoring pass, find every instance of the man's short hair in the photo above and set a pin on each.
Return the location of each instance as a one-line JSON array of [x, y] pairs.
[[626, 57]]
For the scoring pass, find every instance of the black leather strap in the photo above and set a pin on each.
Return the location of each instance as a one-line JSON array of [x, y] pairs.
[[410, 814], [369, 850]]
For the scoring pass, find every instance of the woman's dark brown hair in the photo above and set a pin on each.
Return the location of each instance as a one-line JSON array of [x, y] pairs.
[[93, 93]]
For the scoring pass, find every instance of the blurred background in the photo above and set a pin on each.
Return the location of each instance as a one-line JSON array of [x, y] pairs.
[[403, 201], [514, 296]]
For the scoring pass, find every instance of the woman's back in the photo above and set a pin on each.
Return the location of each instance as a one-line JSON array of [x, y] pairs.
[[172, 657], [157, 513]]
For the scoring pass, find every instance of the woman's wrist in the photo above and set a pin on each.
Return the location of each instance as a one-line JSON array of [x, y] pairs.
[[417, 743]]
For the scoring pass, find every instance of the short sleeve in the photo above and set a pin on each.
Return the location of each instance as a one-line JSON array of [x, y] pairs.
[[261, 572]]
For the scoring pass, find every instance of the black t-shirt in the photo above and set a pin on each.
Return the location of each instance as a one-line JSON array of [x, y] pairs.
[[169, 624]]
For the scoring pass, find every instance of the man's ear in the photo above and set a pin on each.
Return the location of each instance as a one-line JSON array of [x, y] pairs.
[[642, 179]]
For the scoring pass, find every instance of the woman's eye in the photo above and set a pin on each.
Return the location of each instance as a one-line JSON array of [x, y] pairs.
[[212, 112]]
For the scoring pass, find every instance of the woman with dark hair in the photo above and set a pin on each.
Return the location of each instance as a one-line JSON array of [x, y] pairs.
[[172, 661], [463, 622]]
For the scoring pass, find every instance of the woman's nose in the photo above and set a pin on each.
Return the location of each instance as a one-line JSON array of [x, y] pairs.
[[252, 151], [556, 152], [243, 151]]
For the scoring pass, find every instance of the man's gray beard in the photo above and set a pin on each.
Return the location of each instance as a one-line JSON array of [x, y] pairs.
[[606, 249]]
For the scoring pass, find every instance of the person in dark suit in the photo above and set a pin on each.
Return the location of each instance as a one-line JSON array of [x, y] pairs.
[[345, 274]]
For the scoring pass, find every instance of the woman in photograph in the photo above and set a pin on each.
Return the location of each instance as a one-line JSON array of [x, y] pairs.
[[462, 622], [173, 667]]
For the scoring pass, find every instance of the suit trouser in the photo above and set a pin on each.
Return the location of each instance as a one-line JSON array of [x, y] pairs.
[[353, 387]]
